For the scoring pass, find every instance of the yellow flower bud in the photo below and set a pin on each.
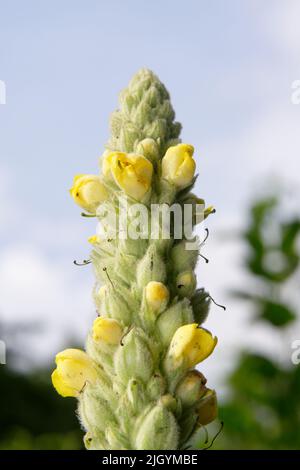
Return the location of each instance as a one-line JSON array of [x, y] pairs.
[[208, 408], [106, 161], [157, 295], [191, 345], [178, 165], [107, 330], [88, 192], [186, 283], [94, 239], [74, 369], [132, 173]]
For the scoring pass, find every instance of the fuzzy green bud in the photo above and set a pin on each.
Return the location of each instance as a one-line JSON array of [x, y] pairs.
[[158, 431], [170, 402], [174, 317], [151, 268], [149, 148], [115, 303], [116, 439], [182, 258], [134, 358], [93, 410], [156, 386]]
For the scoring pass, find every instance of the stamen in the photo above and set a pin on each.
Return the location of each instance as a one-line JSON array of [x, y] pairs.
[[105, 270], [214, 438], [218, 305], [84, 385], [206, 237], [83, 214], [206, 435], [85, 262], [204, 257]]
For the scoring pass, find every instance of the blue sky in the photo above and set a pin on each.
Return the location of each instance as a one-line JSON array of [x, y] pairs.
[[229, 66]]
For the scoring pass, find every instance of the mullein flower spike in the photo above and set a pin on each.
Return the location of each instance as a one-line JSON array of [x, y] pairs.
[[136, 384]]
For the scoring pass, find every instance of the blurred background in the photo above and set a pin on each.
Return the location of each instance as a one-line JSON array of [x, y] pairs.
[[233, 71]]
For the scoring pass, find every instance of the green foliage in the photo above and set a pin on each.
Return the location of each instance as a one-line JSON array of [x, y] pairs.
[[263, 410], [33, 416]]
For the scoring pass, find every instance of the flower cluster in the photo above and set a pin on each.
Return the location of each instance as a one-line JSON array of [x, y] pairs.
[[136, 384]]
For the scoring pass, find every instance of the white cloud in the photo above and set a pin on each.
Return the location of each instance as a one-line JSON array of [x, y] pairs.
[[284, 25], [36, 289]]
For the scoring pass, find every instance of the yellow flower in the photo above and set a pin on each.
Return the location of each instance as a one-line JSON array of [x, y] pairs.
[[207, 410], [132, 173], [74, 369], [107, 330], [157, 295], [88, 192], [106, 161], [191, 345], [94, 239], [178, 165]]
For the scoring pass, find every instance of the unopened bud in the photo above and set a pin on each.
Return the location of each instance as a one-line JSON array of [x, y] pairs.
[[151, 268], [208, 408], [169, 402], [156, 386], [93, 410], [158, 431], [157, 296], [192, 388], [183, 259], [186, 283], [190, 345], [171, 319], [107, 330], [149, 148], [134, 358], [178, 165]]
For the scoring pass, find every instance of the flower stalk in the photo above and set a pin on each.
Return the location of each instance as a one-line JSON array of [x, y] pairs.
[[136, 384]]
